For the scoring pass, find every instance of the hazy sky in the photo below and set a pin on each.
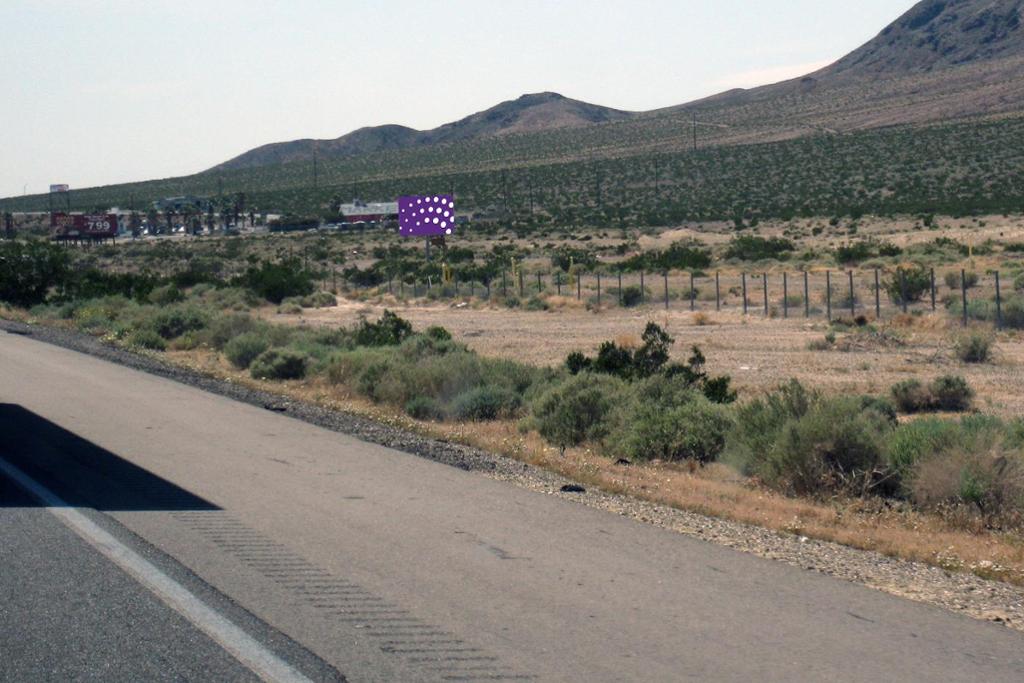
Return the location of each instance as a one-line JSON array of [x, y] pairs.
[[103, 91]]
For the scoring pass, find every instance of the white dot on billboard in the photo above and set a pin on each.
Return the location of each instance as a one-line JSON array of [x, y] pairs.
[[435, 221], [448, 231], [444, 224]]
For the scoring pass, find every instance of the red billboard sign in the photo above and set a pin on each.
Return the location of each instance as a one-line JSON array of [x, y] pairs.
[[69, 226]]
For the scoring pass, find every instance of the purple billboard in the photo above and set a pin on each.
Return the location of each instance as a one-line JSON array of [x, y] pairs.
[[426, 216]]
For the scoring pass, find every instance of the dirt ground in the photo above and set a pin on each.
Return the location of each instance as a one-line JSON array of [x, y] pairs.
[[758, 353]]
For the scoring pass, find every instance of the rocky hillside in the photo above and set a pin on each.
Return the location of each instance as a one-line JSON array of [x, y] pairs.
[[937, 34], [529, 113]]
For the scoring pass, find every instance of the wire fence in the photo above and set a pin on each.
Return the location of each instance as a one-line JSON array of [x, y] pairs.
[[819, 294]]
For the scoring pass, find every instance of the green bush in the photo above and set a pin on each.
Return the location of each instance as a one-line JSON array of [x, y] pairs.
[[947, 393], [224, 328], [576, 410], [279, 364], [176, 320], [147, 339], [974, 347], [243, 349], [911, 396], [667, 420], [389, 330], [951, 393], [918, 439], [632, 296], [486, 403], [836, 446], [917, 280], [424, 408], [277, 281], [165, 295], [29, 270], [752, 248]]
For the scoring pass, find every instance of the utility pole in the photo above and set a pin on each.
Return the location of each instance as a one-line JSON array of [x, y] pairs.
[[315, 170]]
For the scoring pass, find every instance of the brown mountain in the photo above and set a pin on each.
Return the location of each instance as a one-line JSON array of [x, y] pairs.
[[529, 113], [941, 60], [938, 34]]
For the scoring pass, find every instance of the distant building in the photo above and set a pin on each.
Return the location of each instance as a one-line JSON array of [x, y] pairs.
[[368, 212], [179, 204]]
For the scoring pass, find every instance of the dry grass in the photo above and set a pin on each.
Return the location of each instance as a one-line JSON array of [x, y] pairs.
[[759, 354], [716, 490]]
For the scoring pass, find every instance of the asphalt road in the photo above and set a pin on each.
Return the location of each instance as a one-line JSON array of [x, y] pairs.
[[390, 567]]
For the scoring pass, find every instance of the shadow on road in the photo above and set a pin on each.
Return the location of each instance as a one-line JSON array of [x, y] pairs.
[[78, 471]]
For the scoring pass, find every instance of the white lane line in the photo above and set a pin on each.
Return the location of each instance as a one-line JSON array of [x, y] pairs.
[[237, 642]]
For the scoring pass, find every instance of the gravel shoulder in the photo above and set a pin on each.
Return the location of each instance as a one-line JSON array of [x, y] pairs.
[[960, 592]]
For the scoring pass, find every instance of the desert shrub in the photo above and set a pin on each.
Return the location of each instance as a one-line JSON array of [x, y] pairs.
[[632, 296], [759, 422], [953, 280], [752, 248], [279, 364], [798, 441], [277, 281], [320, 300], [915, 440], [911, 396], [290, 307], [651, 358], [389, 330], [837, 445], [242, 350], [486, 403], [917, 280], [951, 393], [424, 408], [947, 393], [1018, 283], [29, 270], [224, 328], [165, 295], [536, 303], [437, 333], [669, 420], [576, 410], [974, 347], [176, 320], [987, 483], [147, 339]]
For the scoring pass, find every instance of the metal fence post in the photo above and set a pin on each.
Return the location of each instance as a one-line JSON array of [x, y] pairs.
[[933, 289], [504, 290], [764, 288], [579, 290], [963, 292], [807, 296], [718, 293], [999, 304], [558, 281], [853, 303], [828, 294], [522, 290], [878, 297], [539, 288], [903, 289], [743, 279], [785, 295]]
